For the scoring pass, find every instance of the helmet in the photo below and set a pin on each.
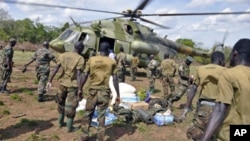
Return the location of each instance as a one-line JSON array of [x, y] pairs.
[[189, 58]]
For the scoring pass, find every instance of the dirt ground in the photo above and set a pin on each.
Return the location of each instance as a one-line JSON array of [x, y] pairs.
[[22, 118]]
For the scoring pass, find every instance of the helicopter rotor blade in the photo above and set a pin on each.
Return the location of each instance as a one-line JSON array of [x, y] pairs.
[[199, 14], [58, 6], [162, 26], [142, 5]]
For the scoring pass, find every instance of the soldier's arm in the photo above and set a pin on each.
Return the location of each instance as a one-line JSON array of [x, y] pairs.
[[182, 75], [8, 61], [31, 61], [217, 117], [192, 92], [57, 67]]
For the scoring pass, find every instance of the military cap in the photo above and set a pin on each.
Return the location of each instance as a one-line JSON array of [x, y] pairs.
[[12, 40], [189, 58], [45, 43]]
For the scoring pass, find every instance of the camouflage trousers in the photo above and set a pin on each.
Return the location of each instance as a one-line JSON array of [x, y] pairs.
[[133, 71], [151, 79], [167, 81], [42, 81], [67, 101], [4, 76], [200, 121], [99, 99], [121, 74], [178, 94]]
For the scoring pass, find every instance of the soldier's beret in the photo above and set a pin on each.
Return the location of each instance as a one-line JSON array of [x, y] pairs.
[[189, 58]]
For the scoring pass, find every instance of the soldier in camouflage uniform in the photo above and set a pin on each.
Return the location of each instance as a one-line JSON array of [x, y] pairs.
[[42, 56], [133, 66], [6, 64], [168, 69], [151, 72], [184, 73], [99, 68], [70, 88], [121, 61], [207, 77]]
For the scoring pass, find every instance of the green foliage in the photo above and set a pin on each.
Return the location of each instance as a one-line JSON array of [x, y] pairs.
[[26, 91], [36, 137], [16, 97], [5, 112], [80, 113], [142, 94], [186, 42], [35, 81]]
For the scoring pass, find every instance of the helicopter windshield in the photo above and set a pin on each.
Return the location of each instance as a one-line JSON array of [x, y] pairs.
[[65, 34], [73, 37]]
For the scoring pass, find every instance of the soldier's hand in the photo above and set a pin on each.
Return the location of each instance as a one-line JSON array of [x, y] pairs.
[[79, 95], [117, 101], [49, 85]]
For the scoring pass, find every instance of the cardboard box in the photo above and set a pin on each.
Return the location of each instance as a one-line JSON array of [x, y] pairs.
[[137, 105]]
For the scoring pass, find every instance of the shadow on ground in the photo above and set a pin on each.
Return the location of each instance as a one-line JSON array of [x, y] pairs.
[[25, 126]]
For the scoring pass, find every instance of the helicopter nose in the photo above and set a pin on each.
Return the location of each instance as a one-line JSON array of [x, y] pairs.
[[57, 45]]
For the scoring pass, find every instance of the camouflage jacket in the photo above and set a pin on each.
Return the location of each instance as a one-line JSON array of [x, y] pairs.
[[186, 71], [43, 56], [6, 52]]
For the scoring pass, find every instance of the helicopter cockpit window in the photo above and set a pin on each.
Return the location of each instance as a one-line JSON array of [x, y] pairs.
[[65, 34], [128, 29], [73, 37]]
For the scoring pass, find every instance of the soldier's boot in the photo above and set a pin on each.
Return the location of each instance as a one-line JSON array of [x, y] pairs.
[[151, 89], [4, 90], [40, 98], [70, 126], [61, 120]]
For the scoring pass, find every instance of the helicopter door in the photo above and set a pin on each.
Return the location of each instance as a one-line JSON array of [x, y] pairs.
[[109, 40]]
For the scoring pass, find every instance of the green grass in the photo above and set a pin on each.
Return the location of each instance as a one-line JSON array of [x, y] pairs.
[[21, 58], [1, 103], [80, 113], [5, 112], [16, 97], [26, 91]]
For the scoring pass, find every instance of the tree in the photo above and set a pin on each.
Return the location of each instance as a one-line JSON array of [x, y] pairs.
[[186, 42]]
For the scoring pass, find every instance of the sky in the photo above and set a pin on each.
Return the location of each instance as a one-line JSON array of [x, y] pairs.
[[207, 30]]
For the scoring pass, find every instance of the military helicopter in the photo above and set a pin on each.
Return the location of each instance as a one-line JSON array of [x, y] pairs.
[[133, 36]]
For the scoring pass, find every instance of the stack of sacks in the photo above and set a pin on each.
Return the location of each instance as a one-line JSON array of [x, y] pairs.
[[127, 92]]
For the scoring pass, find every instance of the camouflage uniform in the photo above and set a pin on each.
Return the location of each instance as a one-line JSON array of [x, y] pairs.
[[168, 68], [68, 87], [152, 65], [133, 68], [100, 68], [183, 84], [4, 72], [207, 77], [43, 56], [121, 60]]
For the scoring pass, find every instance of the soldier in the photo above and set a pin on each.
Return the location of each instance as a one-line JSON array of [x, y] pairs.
[[185, 81], [42, 56], [232, 100], [70, 88], [206, 77], [121, 61], [168, 69], [99, 68], [133, 66], [6, 64], [152, 66]]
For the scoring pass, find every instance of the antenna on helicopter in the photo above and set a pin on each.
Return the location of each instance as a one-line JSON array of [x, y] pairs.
[[75, 23]]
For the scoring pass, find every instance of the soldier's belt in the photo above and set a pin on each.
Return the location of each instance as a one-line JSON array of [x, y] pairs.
[[207, 103]]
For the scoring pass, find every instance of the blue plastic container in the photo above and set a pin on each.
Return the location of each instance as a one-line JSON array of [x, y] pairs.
[[160, 119], [130, 99], [109, 119]]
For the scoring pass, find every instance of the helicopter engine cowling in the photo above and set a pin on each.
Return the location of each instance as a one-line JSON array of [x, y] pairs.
[[143, 47]]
